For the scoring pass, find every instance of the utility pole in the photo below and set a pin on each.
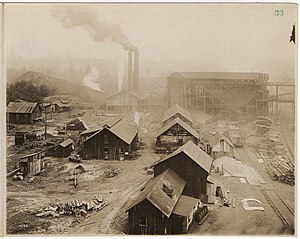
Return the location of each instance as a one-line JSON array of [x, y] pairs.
[[45, 120]]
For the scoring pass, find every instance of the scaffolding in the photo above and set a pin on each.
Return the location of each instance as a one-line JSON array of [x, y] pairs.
[[222, 95]]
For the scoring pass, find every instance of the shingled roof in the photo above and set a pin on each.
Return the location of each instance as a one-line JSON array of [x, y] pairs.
[[21, 107], [154, 193], [177, 109], [182, 124], [194, 153]]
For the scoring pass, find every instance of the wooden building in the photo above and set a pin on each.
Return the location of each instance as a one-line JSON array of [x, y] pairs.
[[109, 123], [65, 148], [192, 164], [160, 208], [219, 145], [22, 112], [224, 95], [176, 111], [63, 106], [122, 101], [175, 134], [114, 143], [31, 164]]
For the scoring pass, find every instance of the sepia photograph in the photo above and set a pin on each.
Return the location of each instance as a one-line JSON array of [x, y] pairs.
[[149, 119]]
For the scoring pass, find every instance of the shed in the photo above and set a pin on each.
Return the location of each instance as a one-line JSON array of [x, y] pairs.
[[65, 148], [192, 164], [122, 101], [62, 106], [150, 212], [31, 164], [116, 143], [109, 123], [175, 134], [22, 112], [219, 145], [176, 111]]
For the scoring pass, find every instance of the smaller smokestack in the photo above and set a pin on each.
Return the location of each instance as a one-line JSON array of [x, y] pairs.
[[136, 72], [130, 71]]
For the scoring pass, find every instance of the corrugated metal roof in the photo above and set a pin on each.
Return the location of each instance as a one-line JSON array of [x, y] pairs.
[[217, 138], [109, 123], [121, 129], [182, 124], [21, 107], [66, 143], [153, 192], [173, 110], [220, 75], [185, 205], [193, 152]]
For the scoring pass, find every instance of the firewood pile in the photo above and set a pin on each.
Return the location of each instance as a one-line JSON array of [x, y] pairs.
[[74, 207], [281, 169], [262, 125]]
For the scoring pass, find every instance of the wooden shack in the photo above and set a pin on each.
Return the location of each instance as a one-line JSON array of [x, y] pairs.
[[192, 164], [176, 111], [65, 148], [219, 145], [161, 209], [175, 134], [31, 164], [114, 143], [22, 112]]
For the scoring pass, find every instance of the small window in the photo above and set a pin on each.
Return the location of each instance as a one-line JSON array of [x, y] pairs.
[[169, 191], [121, 150], [105, 138]]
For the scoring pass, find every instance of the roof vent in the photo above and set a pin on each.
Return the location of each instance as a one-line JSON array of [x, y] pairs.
[[169, 191]]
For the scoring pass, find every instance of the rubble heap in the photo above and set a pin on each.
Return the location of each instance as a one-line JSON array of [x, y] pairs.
[[74, 207]]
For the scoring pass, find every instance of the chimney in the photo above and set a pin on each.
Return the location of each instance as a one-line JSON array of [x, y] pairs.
[[136, 71], [130, 71]]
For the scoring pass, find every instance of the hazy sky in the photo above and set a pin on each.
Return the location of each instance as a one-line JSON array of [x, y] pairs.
[[190, 37]]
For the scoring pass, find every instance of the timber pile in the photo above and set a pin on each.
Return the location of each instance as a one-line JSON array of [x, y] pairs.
[[271, 145], [74, 207], [262, 125], [281, 169]]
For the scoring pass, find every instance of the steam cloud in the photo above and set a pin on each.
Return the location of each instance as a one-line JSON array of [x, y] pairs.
[[90, 80], [99, 31]]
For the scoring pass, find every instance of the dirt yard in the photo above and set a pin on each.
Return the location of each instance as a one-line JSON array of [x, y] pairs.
[[54, 186]]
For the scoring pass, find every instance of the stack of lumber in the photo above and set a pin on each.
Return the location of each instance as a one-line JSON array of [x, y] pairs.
[[281, 169], [262, 125]]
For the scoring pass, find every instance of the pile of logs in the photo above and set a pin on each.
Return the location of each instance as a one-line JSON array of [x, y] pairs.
[[74, 207], [281, 169]]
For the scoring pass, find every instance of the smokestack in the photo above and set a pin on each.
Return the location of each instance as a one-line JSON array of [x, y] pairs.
[[136, 72], [130, 71]]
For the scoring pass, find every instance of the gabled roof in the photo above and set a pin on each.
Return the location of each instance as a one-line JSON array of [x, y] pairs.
[[92, 130], [21, 107], [194, 153], [218, 138], [184, 125], [125, 92], [153, 192], [62, 105], [109, 123], [219, 75], [177, 109], [66, 143], [122, 130]]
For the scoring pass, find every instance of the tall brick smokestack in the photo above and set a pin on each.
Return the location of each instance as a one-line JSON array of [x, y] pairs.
[[130, 71], [136, 71]]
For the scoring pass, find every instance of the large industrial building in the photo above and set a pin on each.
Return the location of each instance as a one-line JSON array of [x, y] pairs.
[[224, 94]]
